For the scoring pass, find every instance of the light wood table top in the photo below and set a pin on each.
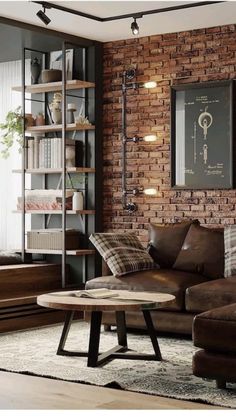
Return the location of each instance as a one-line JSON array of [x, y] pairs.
[[67, 301]]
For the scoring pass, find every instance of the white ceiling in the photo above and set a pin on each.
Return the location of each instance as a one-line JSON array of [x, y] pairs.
[[175, 21]]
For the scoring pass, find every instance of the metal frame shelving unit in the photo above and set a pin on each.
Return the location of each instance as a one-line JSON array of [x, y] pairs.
[[92, 53]]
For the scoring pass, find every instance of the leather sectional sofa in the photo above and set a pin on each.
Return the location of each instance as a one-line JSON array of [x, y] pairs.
[[197, 281], [191, 260]]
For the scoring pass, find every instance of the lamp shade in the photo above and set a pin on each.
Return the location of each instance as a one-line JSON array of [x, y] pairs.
[[150, 84], [150, 138], [150, 191]]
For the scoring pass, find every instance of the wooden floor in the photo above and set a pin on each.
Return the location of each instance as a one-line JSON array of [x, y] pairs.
[[19, 391]]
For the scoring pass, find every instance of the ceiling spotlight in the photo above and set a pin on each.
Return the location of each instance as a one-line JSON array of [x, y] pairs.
[[43, 17], [134, 27]]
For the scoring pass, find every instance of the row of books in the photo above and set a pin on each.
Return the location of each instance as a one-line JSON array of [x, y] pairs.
[[44, 153]]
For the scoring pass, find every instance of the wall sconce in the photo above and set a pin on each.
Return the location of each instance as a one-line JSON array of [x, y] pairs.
[[127, 84]]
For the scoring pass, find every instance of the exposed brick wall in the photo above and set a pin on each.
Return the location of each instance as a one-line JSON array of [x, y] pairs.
[[184, 57]]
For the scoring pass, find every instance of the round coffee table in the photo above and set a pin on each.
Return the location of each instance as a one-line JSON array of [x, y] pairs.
[[66, 301]]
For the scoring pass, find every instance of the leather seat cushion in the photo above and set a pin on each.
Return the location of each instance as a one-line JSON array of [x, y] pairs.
[[165, 241], [159, 280], [202, 252], [215, 366], [215, 330], [211, 294]]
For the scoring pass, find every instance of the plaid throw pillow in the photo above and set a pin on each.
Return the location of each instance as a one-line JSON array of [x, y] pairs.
[[122, 252], [230, 250]]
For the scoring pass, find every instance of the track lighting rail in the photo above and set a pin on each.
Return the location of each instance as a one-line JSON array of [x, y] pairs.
[[136, 15]]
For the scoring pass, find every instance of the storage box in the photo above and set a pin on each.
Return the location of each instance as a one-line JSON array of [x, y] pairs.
[[51, 239]]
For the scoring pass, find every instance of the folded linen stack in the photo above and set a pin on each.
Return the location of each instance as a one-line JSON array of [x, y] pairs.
[[50, 199]]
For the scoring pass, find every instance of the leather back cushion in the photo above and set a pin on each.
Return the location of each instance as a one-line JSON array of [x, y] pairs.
[[202, 252], [165, 241]]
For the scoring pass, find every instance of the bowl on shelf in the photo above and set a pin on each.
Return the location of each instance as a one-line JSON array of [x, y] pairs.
[[52, 75]]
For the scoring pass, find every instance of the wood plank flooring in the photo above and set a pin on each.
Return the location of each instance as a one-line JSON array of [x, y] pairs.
[[19, 391]]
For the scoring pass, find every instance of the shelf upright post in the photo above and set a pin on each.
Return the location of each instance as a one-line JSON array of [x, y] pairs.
[[23, 158], [63, 164], [86, 163]]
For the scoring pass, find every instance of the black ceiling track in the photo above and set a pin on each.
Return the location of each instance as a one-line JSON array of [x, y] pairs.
[[136, 15]]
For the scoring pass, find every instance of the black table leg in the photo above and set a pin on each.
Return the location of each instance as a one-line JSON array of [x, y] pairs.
[[120, 351], [121, 328], [152, 333], [95, 327], [65, 331]]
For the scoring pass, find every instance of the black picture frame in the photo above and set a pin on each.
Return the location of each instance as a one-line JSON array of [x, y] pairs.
[[202, 135], [55, 62]]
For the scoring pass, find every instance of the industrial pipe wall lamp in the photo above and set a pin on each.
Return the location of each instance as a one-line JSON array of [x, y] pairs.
[[127, 84]]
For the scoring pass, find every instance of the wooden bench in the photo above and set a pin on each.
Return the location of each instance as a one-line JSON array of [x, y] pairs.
[[19, 287]]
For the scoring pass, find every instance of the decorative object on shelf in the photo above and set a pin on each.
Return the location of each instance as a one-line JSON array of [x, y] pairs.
[[127, 84], [56, 62], [35, 70], [52, 238], [82, 120], [202, 139], [52, 75], [48, 199], [70, 156], [55, 108], [12, 131], [71, 108], [40, 119], [78, 201], [29, 120]]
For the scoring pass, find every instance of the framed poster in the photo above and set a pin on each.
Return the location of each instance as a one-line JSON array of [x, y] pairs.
[[202, 146], [56, 62]]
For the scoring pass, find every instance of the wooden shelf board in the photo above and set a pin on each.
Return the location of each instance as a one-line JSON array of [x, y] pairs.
[[50, 171], [52, 212], [55, 86], [78, 252], [56, 127]]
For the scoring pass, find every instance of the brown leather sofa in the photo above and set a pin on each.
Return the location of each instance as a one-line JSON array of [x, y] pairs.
[[191, 260], [215, 333]]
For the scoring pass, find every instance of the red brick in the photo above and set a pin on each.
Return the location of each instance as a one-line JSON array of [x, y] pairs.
[[175, 58]]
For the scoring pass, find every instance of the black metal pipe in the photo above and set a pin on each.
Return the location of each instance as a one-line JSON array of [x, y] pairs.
[[123, 138]]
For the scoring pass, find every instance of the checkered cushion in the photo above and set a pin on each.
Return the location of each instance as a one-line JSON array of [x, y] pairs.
[[230, 250], [122, 252]]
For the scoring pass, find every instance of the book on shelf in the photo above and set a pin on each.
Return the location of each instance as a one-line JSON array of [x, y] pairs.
[[36, 152]]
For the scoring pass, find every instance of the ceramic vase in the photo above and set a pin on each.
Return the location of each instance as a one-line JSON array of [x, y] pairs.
[[56, 115], [70, 156], [78, 201], [35, 70]]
